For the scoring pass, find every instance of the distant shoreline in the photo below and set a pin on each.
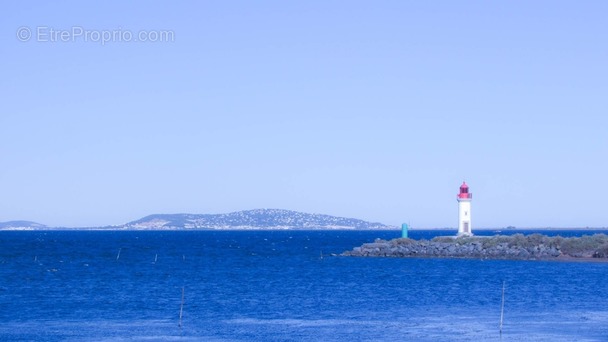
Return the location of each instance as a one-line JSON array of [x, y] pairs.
[[497, 230], [485, 230]]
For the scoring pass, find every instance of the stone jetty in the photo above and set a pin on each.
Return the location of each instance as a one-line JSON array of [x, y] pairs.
[[517, 247]]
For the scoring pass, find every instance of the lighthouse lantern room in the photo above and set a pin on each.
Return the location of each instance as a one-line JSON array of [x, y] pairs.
[[464, 210]]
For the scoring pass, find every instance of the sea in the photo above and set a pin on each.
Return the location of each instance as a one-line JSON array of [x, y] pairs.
[[284, 286]]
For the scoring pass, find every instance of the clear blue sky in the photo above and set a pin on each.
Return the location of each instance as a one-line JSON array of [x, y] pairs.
[[369, 109]]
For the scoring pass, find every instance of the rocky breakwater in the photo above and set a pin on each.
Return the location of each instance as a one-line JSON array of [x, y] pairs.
[[517, 246]]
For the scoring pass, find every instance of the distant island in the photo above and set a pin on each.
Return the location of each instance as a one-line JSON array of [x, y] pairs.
[[256, 219], [517, 246], [21, 225]]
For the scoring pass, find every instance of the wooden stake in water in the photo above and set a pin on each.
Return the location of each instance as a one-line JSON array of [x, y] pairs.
[[118, 255], [155, 258], [181, 308], [502, 307]]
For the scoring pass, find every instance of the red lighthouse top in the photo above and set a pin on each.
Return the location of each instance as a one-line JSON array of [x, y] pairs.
[[464, 191]]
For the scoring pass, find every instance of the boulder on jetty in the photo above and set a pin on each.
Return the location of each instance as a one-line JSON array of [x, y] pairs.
[[517, 246]]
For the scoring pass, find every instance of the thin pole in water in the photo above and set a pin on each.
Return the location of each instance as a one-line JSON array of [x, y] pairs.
[[155, 258], [181, 308], [118, 255], [502, 307]]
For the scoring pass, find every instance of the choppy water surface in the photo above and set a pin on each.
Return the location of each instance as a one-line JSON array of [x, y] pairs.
[[282, 286]]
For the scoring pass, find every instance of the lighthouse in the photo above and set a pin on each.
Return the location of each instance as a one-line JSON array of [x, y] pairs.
[[464, 210]]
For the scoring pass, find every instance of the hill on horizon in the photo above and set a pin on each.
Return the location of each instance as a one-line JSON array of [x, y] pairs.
[[21, 225], [252, 219]]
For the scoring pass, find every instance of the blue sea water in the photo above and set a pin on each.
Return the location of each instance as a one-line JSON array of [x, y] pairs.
[[282, 286]]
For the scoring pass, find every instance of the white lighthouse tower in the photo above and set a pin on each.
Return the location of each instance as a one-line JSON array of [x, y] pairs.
[[464, 210]]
